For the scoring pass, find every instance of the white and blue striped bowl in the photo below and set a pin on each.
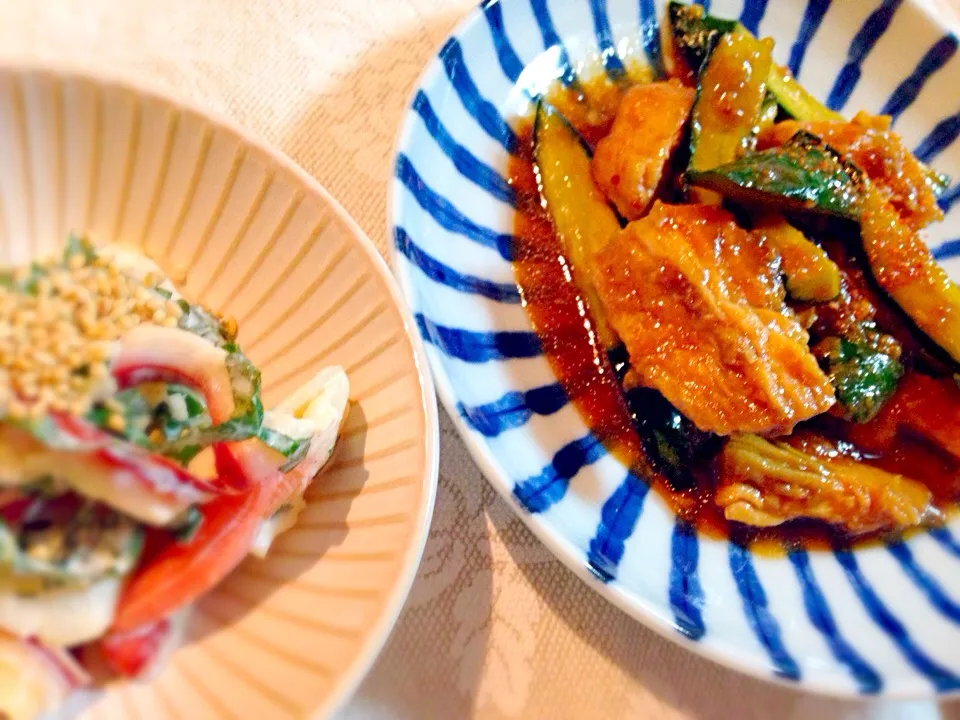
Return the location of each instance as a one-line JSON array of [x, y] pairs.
[[879, 620]]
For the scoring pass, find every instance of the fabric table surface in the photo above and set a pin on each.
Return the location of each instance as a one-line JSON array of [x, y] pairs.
[[495, 627]]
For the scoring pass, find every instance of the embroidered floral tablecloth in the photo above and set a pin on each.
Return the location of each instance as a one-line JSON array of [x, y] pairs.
[[494, 627]]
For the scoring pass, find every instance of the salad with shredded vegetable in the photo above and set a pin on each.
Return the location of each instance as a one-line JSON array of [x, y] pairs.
[[138, 467]]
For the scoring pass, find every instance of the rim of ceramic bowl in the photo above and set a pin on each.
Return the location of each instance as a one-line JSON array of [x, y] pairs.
[[374, 644], [559, 546]]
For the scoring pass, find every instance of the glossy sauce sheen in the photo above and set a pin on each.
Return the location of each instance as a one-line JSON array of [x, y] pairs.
[[561, 319]]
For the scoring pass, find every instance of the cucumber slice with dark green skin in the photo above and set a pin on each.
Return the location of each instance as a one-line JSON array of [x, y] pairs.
[[804, 175], [671, 441], [810, 273], [730, 97], [905, 269], [583, 220], [695, 32], [794, 98], [863, 377]]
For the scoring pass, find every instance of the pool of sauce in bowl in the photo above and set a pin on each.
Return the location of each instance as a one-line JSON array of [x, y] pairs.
[[561, 318]]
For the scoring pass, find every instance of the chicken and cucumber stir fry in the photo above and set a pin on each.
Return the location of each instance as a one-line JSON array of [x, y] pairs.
[[768, 338]]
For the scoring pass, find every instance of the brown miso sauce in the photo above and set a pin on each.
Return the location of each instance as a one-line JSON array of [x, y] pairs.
[[561, 318]]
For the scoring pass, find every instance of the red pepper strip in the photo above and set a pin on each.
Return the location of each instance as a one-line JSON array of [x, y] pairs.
[[131, 654], [182, 573]]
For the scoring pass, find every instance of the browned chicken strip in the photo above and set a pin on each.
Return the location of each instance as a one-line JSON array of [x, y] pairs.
[[630, 162], [699, 304]]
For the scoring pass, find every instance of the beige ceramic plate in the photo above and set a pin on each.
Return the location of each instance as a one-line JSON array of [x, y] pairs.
[[245, 231]]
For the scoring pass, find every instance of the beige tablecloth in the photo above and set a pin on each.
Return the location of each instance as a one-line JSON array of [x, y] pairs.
[[495, 627]]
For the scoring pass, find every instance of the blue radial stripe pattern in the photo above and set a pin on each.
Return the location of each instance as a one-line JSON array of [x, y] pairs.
[[940, 677], [927, 584], [618, 517], [863, 43], [821, 617], [649, 33], [949, 198], [755, 607], [805, 615], [608, 50], [482, 110], [474, 170], [540, 492], [552, 40], [946, 539], [947, 250], [514, 409], [812, 17], [478, 347], [509, 61], [752, 14], [446, 213], [931, 63], [686, 593], [941, 137], [445, 275]]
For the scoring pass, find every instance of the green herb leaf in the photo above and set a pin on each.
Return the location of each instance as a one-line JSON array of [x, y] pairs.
[[283, 444], [79, 246], [863, 378]]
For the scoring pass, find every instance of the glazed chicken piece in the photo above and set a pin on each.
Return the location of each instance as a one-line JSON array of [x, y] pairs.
[[629, 164], [870, 144], [765, 483], [699, 304]]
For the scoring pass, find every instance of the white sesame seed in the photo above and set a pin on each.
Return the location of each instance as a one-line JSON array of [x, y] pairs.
[[77, 311]]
